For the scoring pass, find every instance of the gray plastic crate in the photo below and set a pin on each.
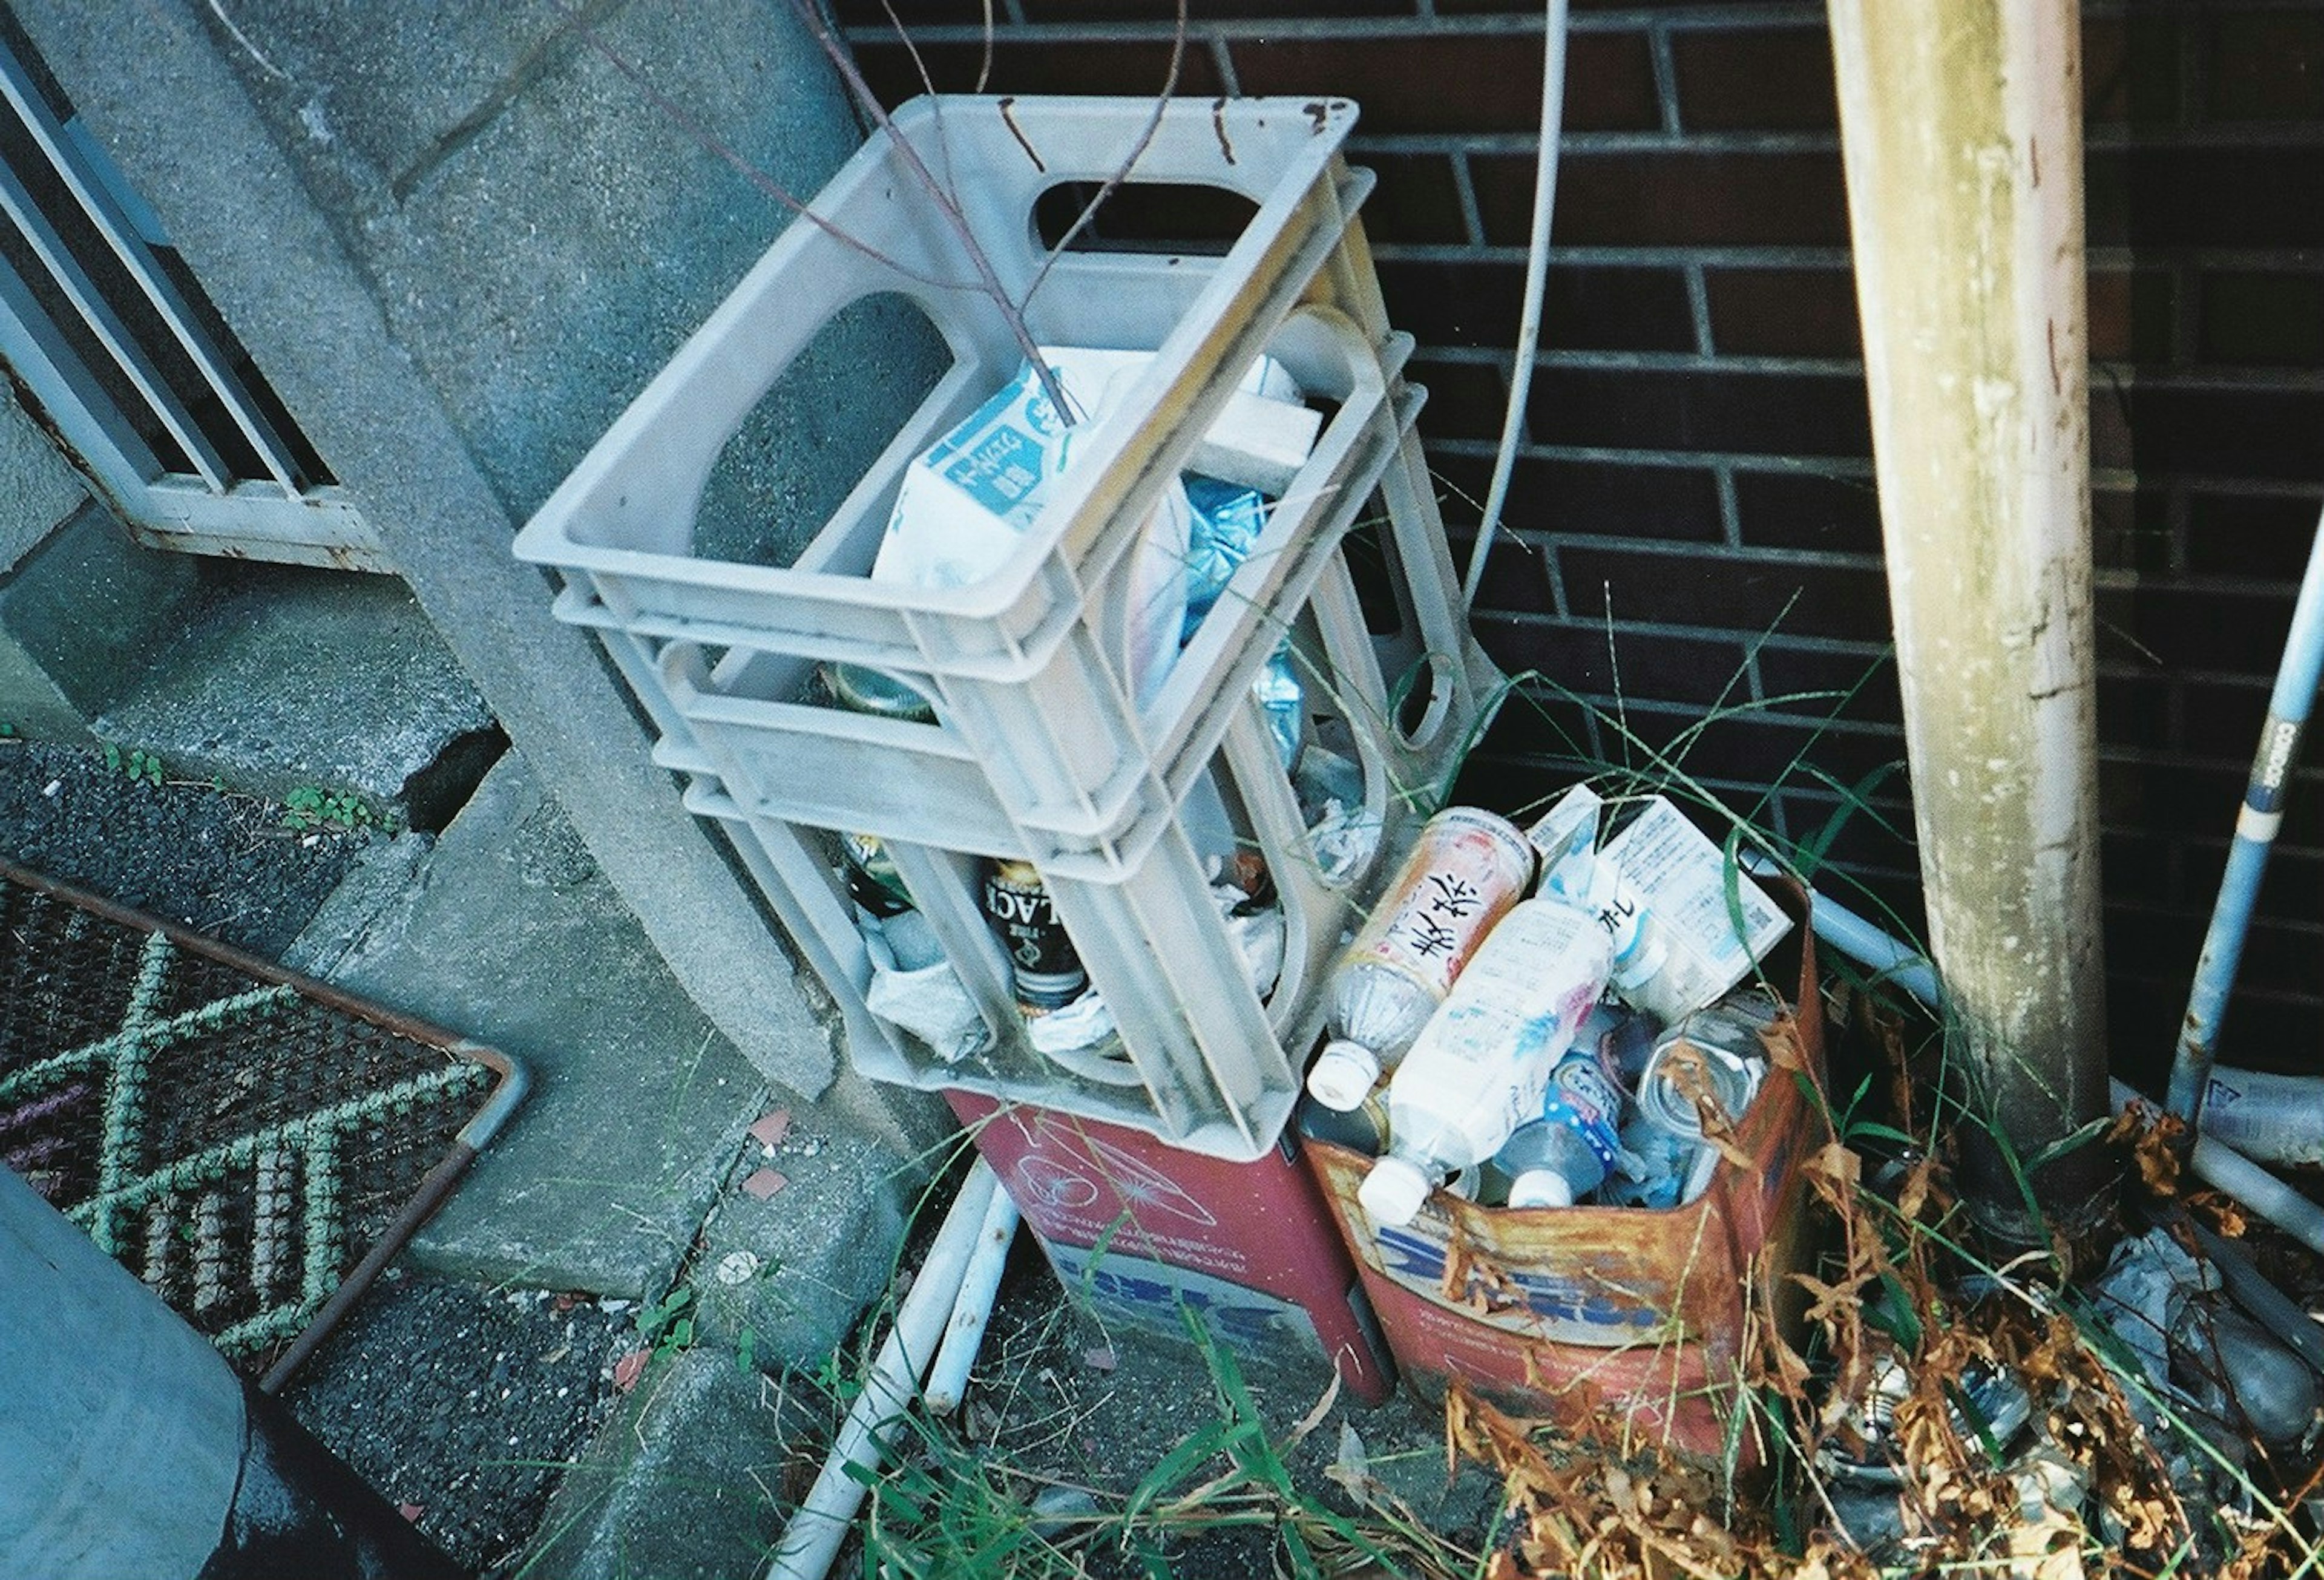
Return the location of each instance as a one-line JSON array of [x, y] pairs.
[[1039, 751]]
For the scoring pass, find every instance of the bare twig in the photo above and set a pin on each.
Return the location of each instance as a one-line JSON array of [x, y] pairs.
[[1083, 220], [843, 61]]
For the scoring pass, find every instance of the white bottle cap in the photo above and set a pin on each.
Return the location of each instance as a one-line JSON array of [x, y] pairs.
[[1541, 1187], [1393, 1192], [1343, 1075]]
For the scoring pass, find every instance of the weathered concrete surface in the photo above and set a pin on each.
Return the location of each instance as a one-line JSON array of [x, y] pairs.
[[37, 490], [81, 616], [797, 1268], [453, 337], [681, 1484], [511, 936], [293, 677]]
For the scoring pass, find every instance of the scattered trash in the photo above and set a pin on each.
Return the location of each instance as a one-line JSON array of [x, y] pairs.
[[1101, 1359], [737, 1267], [763, 1183], [630, 1368], [770, 1129]]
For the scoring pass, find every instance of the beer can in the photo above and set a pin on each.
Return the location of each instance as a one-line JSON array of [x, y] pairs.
[[1022, 915]]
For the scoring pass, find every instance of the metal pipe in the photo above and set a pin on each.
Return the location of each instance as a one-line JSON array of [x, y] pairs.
[[811, 1540], [2212, 1162], [1960, 136], [2255, 826], [1544, 199]]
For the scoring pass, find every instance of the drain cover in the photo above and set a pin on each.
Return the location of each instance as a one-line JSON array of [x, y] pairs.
[[254, 1145]]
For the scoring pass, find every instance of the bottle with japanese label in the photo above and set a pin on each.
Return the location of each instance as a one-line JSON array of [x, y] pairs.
[[1481, 1066], [1466, 870], [1022, 915]]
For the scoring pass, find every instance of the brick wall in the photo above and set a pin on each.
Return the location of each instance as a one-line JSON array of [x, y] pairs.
[[1695, 525]]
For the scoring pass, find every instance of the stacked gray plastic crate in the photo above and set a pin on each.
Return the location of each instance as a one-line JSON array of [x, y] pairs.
[[1040, 751]]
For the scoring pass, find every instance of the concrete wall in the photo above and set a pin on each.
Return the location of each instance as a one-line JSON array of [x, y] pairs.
[[459, 239]]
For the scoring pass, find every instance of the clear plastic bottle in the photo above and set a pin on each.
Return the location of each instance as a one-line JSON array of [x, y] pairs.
[[1559, 1158], [1466, 870], [1481, 1065]]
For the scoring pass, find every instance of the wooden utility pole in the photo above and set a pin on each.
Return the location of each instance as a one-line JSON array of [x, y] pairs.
[[1961, 132]]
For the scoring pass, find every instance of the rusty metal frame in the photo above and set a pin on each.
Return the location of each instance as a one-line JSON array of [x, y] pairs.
[[508, 1089]]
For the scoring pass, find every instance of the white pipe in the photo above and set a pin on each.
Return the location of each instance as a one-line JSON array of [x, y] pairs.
[[2214, 1161], [963, 1335], [2223, 1168], [1545, 198], [811, 1540]]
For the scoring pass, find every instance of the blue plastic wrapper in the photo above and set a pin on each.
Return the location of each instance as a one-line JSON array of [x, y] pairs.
[[1227, 520]]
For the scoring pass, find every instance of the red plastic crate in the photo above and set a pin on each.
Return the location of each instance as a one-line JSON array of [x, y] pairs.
[[1141, 1228]]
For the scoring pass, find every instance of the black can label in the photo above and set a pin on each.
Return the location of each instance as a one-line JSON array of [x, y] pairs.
[[1017, 907]]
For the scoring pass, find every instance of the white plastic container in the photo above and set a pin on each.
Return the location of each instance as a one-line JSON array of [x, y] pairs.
[[1466, 870], [1481, 1066], [1685, 879]]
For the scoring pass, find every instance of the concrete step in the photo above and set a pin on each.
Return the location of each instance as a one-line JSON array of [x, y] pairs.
[[286, 677]]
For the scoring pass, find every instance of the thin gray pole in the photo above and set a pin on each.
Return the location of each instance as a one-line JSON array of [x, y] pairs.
[[2256, 826]]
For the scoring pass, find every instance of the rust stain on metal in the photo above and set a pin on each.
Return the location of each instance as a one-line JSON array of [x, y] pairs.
[[237, 1134]]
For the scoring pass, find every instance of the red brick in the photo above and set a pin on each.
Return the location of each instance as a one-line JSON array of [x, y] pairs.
[[2130, 314], [2130, 69], [1802, 510], [2264, 65], [1678, 199], [1781, 413], [1458, 82], [1832, 685], [2176, 630], [1416, 200], [1600, 499], [1199, 10], [2242, 535], [1466, 400], [2265, 319], [2223, 720], [1783, 312], [1656, 667], [1022, 68], [2130, 530], [1465, 303], [2218, 196], [1728, 592], [1765, 79], [2236, 432], [2136, 711]]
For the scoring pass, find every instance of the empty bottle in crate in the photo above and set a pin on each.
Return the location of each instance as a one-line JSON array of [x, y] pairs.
[[1481, 1067], [1466, 870]]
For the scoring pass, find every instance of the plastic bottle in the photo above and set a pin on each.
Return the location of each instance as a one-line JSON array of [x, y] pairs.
[[1640, 952], [1481, 1065], [1564, 1154], [1466, 870]]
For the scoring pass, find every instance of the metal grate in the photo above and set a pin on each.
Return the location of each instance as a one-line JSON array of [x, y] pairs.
[[239, 1137], [143, 383]]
